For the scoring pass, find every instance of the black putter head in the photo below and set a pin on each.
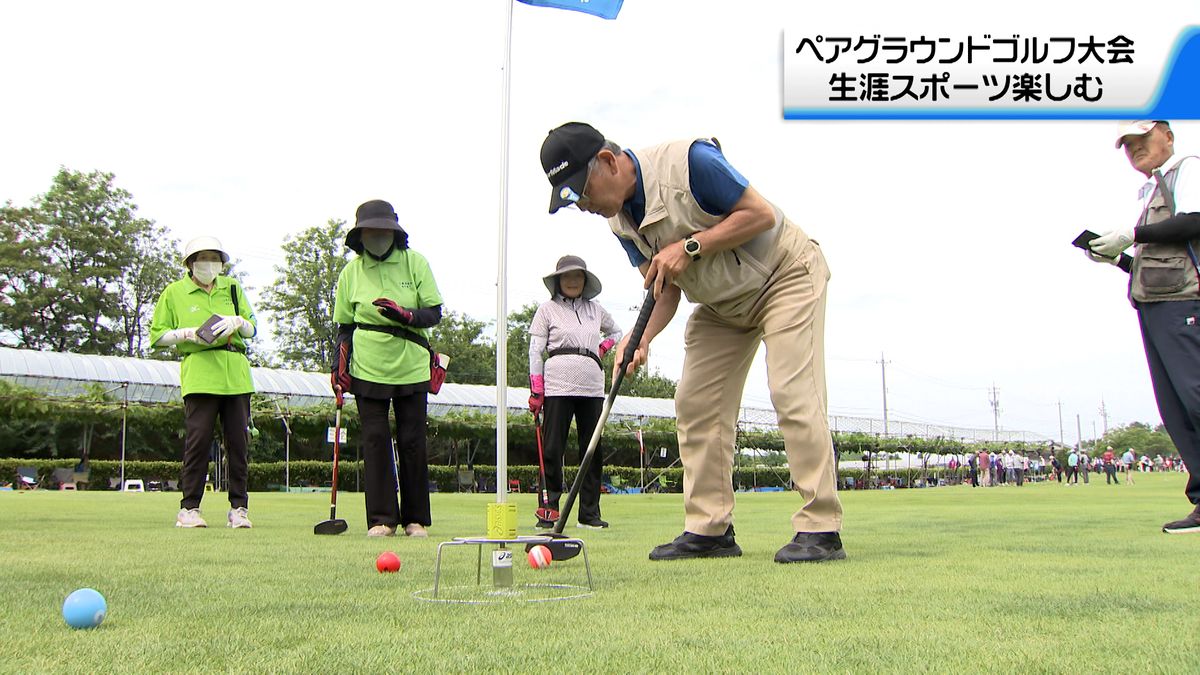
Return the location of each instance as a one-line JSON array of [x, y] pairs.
[[335, 526], [559, 550]]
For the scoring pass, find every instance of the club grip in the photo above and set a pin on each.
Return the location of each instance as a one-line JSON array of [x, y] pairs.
[[639, 328]]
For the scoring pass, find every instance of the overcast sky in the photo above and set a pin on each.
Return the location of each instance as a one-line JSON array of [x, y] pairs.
[[949, 242]]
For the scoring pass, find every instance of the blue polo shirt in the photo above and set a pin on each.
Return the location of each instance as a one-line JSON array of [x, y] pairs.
[[715, 184]]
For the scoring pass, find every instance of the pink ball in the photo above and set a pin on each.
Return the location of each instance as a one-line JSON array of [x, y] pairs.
[[387, 562], [539, 557]]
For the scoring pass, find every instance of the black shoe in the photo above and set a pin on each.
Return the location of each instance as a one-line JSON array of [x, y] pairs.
[[544, 524], [1190, 524], [812, 547], [593, 524], [688, 545]]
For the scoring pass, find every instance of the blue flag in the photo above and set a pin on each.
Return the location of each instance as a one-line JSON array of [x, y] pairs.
[[605, 9]]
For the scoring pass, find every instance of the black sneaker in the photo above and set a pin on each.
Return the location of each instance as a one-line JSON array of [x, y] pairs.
[[812, 547], [688, 545], [593, 524], [543, 524], [1190, 523]]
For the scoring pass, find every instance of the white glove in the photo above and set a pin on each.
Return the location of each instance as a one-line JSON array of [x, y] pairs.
[[1095, 257], [228, 324], [174, 337], [1111, 244]]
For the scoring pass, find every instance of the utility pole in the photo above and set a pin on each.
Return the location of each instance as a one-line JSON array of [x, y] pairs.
[[1095, 440], [1104, 415], [1078, 434], [995, 401], [1061, 440], [883, 374]]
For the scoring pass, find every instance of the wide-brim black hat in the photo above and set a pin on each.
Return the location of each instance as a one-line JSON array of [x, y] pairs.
[[375, 215], [565, 156], [567, 263]]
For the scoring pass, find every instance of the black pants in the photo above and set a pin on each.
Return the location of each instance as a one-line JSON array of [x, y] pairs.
[[381, 472], [1110, 474], [1171, 335], [199, 415], [1072, 472], [557, 413], [974, 478]]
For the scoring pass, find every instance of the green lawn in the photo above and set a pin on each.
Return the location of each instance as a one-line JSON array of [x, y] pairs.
[[1041, 578]]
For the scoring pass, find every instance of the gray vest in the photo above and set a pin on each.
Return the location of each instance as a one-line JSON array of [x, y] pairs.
[[727, 281], [1163, 272]]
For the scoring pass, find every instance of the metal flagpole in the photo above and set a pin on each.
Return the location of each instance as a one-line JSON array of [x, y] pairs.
[[501, 278], [124, 418]]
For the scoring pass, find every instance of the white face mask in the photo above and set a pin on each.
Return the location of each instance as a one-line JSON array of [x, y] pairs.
[[378, 241], [205, 272]]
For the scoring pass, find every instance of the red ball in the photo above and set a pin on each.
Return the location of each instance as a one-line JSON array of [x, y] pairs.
[[539, 557], [387, 562]]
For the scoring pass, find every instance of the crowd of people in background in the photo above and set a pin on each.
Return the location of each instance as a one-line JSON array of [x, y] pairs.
[[1007, 467]]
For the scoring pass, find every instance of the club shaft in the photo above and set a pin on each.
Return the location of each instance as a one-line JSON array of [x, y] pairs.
[[635, 338], [337, 443]]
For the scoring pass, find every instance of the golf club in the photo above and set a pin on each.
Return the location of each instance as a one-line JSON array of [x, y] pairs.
[[543, 512], [567, 549], [334, 525]]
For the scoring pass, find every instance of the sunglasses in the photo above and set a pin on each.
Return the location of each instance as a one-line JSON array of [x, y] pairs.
[[568, 194]]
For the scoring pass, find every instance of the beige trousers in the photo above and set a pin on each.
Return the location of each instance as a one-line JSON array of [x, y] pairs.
[[789, 318]]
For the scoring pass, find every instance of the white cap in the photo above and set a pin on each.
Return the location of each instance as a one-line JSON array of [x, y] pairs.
[[204, 244], [1134, 128]]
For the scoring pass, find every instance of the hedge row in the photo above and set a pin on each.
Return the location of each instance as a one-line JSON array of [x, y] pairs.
[[266, 476], [33, 424], [269, 476]]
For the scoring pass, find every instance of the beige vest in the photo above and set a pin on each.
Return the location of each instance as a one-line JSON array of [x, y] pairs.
[[727, 281], [1163, 272]]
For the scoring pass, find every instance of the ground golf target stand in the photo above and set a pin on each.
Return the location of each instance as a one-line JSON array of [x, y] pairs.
[[502, 534]]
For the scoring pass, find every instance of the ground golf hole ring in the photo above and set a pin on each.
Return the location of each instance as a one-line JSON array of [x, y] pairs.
[[489, 595]]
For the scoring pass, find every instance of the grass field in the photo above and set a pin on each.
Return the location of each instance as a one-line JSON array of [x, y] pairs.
[[1041, 578]]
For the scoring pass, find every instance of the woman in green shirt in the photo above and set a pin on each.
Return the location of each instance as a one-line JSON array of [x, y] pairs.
[[386, 300], [207, 318]]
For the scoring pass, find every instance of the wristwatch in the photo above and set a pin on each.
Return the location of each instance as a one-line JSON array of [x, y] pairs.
[[691, 246]]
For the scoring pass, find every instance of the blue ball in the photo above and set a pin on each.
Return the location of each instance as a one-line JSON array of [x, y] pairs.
[[85, 608]]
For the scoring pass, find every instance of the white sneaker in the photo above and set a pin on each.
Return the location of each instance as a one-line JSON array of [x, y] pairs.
[[189, 518], [415, 530], [238, 519], [381, 531]]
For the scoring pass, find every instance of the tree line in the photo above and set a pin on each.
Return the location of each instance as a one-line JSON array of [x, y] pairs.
[[81, 270]]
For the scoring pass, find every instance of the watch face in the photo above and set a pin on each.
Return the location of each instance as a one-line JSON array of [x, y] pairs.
[[691, 246]]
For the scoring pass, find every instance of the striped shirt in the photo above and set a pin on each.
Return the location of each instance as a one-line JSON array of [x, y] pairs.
[[571, 324]]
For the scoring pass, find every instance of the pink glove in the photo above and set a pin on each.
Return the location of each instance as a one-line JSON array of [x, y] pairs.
[[606, 345], [537, 393], [391, 310]]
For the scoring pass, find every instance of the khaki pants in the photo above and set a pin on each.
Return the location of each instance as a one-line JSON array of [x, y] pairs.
[[789, 318]]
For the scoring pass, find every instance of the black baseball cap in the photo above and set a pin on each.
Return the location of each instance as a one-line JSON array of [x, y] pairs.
[[565, 156]]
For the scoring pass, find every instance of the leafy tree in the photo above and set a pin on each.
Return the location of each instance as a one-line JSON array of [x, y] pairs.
[[79, 267], [301, 298], [155, 265], [472, 354], [1140, 437], [649, 383], [518, 344]]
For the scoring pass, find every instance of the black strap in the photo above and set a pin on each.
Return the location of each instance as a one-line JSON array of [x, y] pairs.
[[578, 351], [398, 332], [1165, 186], [229, 346]]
